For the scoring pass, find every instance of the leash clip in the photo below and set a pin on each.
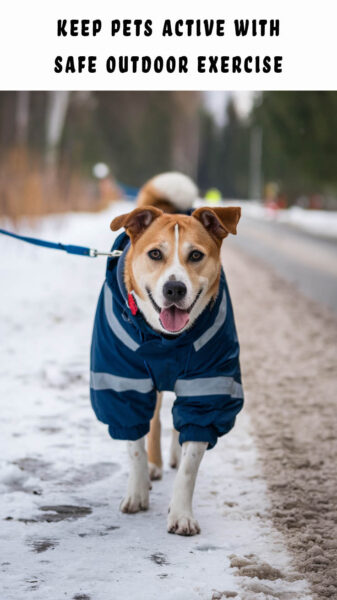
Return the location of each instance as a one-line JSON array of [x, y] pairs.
[[93, 253]]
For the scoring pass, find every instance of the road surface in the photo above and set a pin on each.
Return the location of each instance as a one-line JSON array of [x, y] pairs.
[[288, 358], [307, 261]]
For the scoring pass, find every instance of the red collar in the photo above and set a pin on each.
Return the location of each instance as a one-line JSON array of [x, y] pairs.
[[132, 304]]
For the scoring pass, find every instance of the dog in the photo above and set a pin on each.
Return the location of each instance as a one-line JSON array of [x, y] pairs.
[[164, 321]]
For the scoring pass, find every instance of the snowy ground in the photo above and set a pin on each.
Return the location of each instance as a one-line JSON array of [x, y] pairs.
[[316, 222], [322, 223], [62, 477]]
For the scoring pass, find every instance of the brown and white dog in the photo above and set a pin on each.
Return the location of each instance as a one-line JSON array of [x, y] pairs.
[[172, 268]]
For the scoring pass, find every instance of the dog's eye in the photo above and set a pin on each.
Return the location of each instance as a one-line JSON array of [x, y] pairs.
[[195, 256], [155, 254]]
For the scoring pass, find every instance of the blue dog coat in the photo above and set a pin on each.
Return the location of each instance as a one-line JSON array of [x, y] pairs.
[[130, 362]]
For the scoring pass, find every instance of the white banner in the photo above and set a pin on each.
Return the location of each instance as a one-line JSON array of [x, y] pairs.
[[180, 45]]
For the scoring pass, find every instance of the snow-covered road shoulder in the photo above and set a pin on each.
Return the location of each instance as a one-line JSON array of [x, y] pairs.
[[322, 223]]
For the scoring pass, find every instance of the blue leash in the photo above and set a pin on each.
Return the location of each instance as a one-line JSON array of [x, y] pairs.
[[70, 248], [129, 191]]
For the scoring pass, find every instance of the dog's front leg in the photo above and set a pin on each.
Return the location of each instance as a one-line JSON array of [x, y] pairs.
[[180, 518], [137, 496]]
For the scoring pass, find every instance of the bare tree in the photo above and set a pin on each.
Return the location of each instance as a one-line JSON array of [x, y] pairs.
[[57, 107], [22, 116], [185, 132]]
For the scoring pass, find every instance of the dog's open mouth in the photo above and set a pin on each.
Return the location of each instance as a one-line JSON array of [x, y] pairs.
[[173, 318]]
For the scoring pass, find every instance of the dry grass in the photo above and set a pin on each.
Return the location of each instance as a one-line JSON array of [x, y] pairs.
[[30, 188]]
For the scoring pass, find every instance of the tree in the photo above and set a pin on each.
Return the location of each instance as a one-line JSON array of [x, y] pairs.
[[299, 140], [224, 154]]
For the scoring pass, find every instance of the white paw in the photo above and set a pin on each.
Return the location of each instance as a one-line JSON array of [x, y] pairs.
[[136, 501], [182, 523], [155, 472]]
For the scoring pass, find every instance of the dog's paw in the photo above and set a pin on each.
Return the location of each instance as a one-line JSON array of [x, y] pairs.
[[155, 472], [182, 524], [135, 502]]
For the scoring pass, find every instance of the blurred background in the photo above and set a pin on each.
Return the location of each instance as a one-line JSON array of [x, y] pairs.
[[279, 147], [272, 152]]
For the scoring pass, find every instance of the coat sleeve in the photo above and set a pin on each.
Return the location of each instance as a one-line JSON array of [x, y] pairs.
[[206, 407], [211, 395], [121, 390]]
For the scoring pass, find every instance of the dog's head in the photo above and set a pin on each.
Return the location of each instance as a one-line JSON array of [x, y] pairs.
[[173, 265]]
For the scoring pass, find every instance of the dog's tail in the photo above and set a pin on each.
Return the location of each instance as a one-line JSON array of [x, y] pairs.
[[171, 192]]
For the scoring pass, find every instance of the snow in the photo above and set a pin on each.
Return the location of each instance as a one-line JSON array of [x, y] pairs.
[[316, 222], [322, 223], [62, 477]]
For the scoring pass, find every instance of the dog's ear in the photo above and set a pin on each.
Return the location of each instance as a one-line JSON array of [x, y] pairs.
[[219, 221], [136, 221]]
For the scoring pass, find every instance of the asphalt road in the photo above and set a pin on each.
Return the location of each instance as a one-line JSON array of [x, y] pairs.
[[307, 261]]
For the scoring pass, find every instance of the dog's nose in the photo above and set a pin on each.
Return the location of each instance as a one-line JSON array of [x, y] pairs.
[[174, 290]]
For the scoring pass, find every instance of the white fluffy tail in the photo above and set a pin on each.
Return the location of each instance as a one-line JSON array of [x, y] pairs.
[[169, 188]]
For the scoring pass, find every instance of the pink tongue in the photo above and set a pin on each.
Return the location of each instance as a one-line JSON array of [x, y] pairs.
[[174, 319]]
